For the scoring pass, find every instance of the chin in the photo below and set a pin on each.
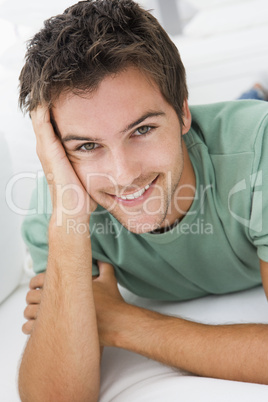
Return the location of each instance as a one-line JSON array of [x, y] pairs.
[[139, 222]]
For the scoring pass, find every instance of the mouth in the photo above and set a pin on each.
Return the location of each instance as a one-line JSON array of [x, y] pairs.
[[137, 196]]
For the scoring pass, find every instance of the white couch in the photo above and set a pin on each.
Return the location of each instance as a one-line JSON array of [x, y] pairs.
[[219, 64], [127, 377]]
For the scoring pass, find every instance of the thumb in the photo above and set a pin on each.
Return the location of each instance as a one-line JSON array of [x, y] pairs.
[[106, 271]]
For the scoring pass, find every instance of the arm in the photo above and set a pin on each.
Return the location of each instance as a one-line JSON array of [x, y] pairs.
[[61, 361], [234, 352]]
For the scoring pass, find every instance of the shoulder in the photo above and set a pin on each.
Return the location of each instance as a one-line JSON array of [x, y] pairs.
[[229, 127], [237, 109]]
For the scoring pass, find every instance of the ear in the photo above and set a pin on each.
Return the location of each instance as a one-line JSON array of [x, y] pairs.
[[187, 118]]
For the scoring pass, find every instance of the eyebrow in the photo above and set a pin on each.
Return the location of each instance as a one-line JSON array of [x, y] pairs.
[[141, 119], [74, 137]]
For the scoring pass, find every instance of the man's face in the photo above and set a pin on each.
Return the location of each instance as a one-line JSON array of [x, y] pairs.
[[124, 142]]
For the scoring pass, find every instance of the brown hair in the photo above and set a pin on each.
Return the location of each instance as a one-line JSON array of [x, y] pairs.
[[76, 50]]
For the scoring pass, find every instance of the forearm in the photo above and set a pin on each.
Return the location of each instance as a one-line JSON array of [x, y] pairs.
[[62, 358], [233, 352]]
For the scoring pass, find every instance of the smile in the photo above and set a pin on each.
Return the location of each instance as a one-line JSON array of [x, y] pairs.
[[135, 195]]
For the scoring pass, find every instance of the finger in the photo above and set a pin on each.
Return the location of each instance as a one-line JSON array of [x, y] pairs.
[[30, 312], [42, 125], [106, 270], [48, 146], [28, 327], [37, 281], [34, 296]]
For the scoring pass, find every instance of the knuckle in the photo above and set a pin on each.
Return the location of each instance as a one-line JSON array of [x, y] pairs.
[[28, 297], [24, 329], [32, 282], [30, 312], [33, 296], [25, 314], [37, 281], [27, 327]]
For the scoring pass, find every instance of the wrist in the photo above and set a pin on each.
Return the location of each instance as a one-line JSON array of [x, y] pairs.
[[133, 325], [72, 233]]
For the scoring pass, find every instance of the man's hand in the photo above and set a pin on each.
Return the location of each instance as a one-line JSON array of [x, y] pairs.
[[106, 295], [108, 302], [33, 300], [68, 195]]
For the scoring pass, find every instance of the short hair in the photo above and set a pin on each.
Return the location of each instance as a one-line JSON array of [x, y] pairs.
[[92, 39]]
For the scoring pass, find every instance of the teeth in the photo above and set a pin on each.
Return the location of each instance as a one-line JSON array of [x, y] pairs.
[[135, 195]]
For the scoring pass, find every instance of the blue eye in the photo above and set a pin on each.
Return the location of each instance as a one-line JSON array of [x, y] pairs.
[[143, 130]]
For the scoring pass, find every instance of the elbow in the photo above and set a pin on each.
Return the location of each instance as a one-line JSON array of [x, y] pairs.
[[30, 395], [39, 390], [39, 381]]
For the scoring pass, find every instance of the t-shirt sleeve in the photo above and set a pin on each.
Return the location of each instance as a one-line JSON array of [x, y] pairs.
[[258, 225], [35, 226]]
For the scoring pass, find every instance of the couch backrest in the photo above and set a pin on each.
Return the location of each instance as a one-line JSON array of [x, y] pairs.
[[11, 253]]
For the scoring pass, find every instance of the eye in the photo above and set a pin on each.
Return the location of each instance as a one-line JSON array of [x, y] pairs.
[[89, 146], [143, 130]]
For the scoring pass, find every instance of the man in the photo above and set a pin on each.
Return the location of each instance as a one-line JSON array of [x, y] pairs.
[[170, 204]]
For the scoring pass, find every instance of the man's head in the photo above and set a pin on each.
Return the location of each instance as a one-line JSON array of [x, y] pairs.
[[91, 40], [116, 89]]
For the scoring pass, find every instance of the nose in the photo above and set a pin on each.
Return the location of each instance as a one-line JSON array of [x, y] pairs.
[[126, 168]]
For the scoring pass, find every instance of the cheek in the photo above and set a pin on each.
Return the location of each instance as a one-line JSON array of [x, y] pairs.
[[95, 181], [167, 153], [88, 174], [85, 168]]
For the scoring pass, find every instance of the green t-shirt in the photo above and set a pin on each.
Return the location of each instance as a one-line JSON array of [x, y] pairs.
[[216, 247]]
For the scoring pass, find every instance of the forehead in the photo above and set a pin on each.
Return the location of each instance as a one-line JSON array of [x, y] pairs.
[[118, 99]]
